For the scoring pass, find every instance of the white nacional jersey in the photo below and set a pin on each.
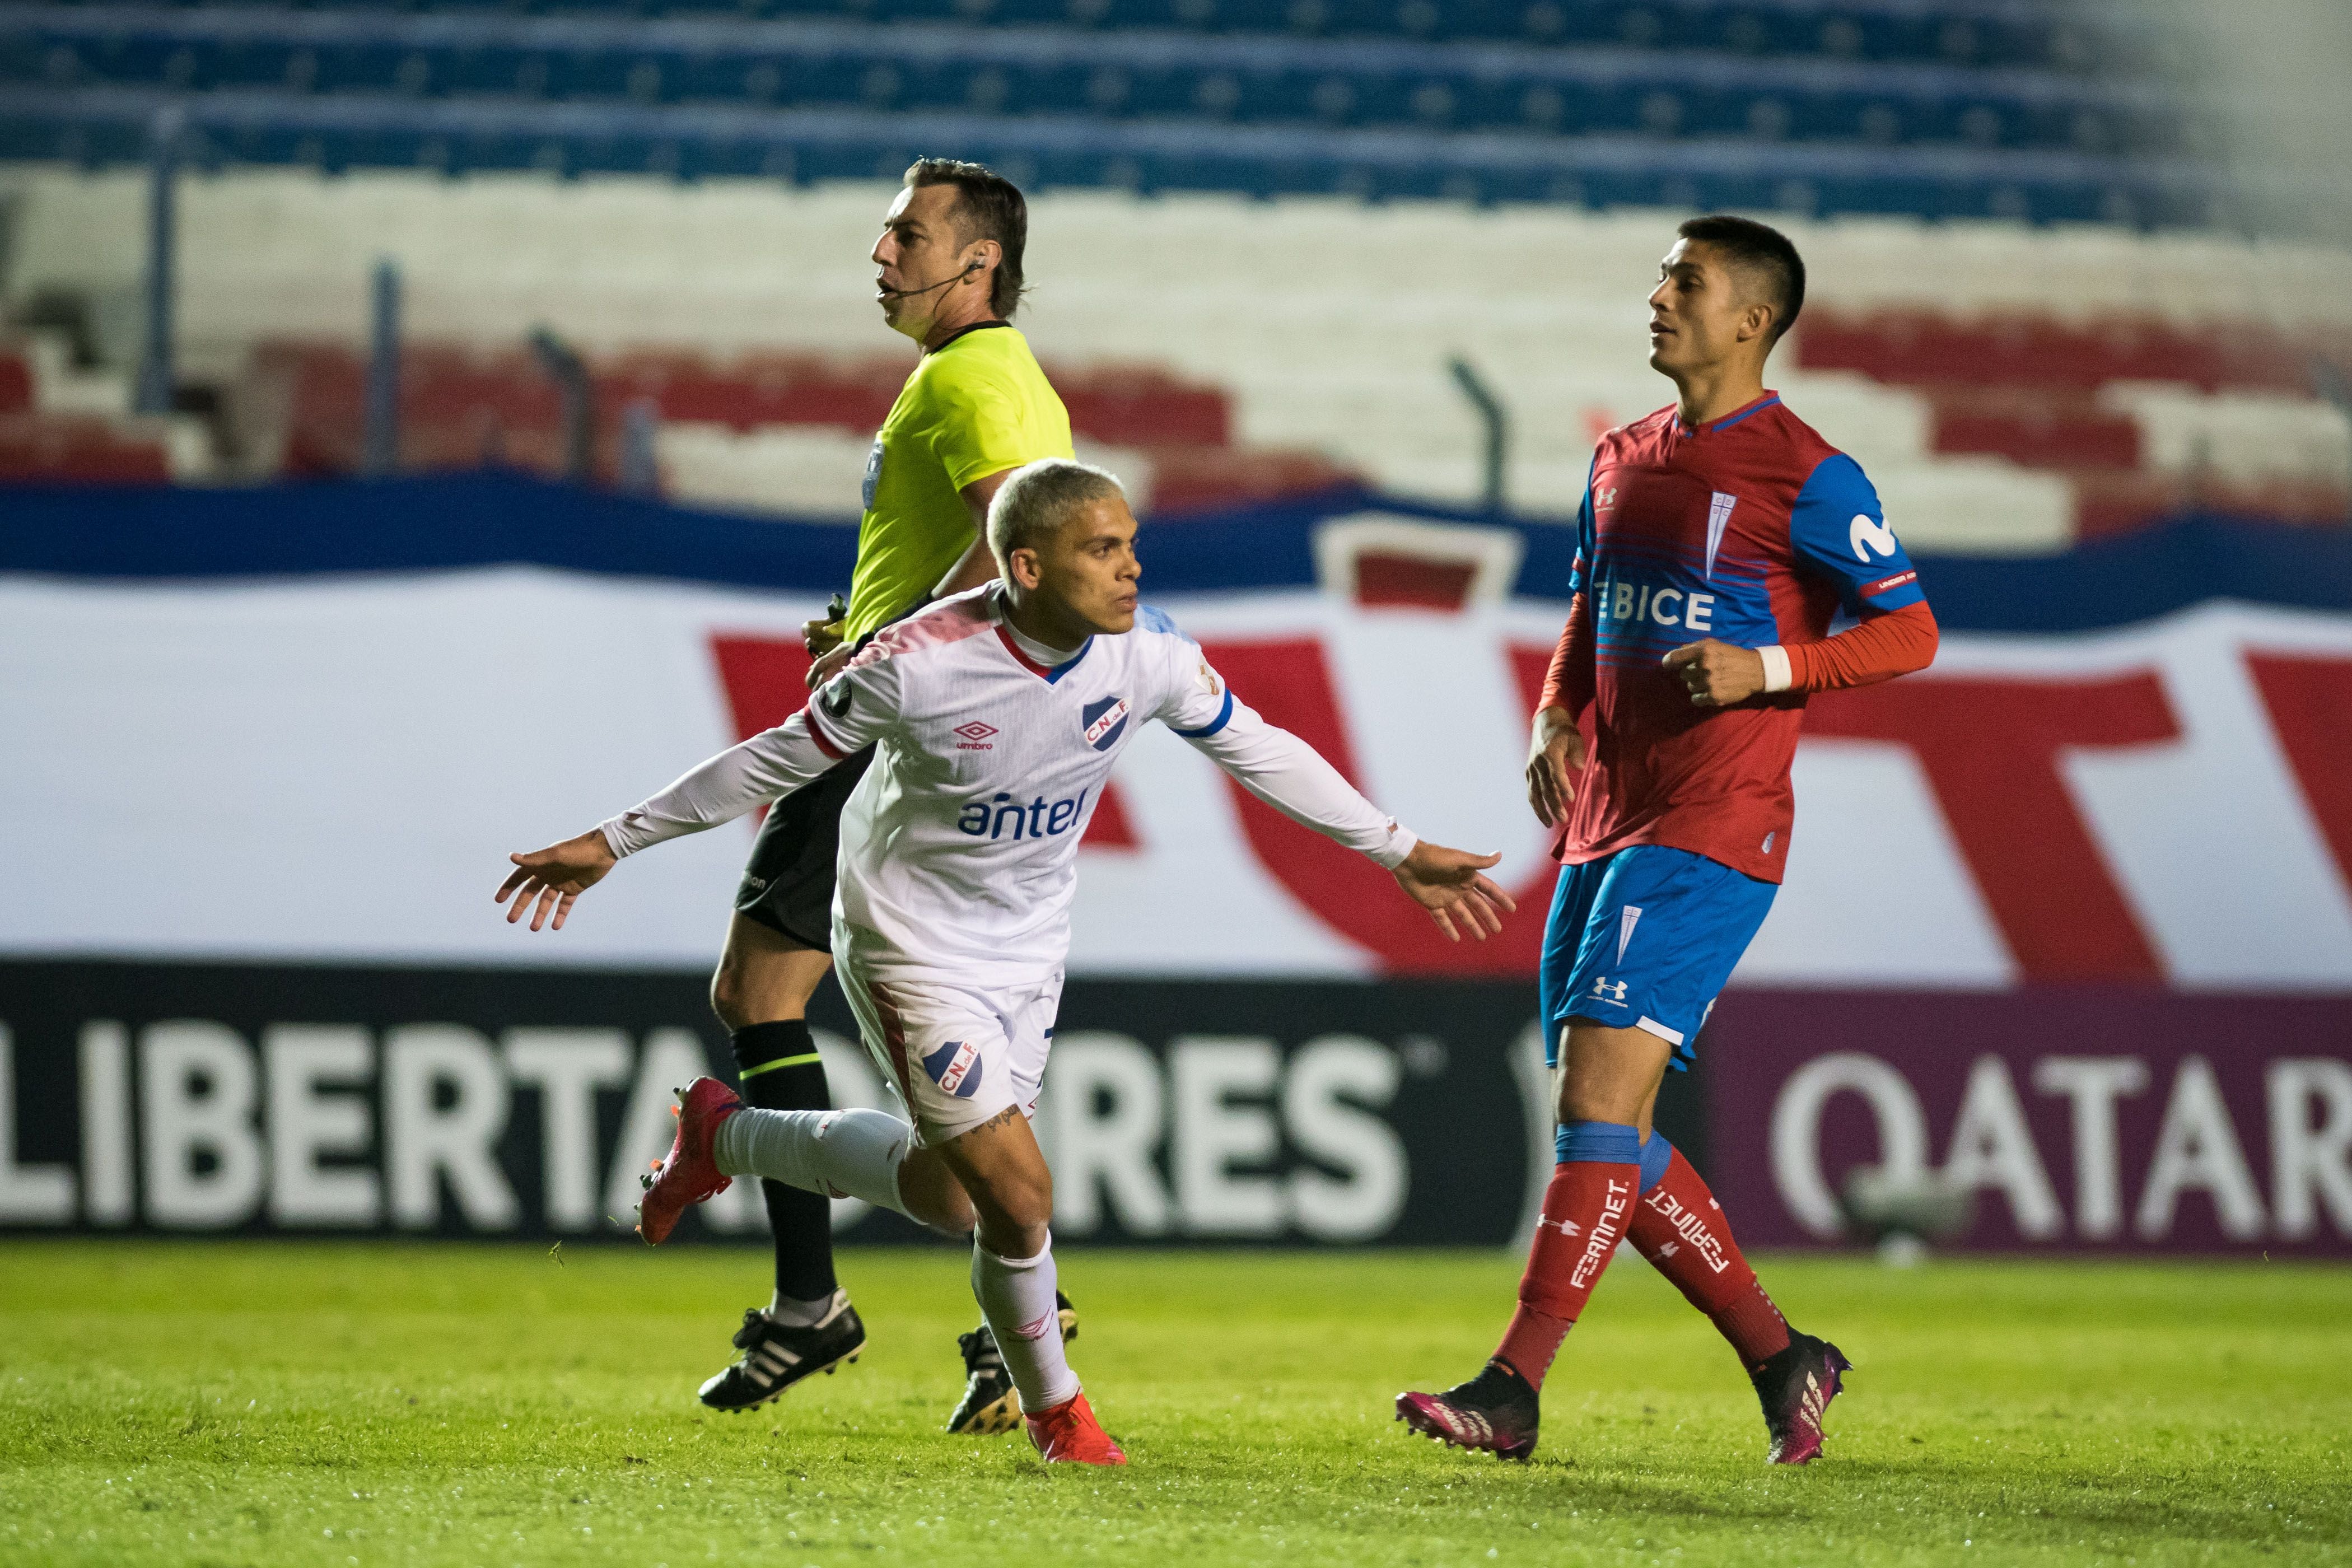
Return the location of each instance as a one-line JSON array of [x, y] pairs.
[[958, 848]]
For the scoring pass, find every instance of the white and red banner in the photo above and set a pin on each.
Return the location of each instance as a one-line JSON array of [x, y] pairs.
[[336, 768]]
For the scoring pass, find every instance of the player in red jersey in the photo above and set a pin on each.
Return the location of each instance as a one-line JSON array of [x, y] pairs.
[[1720, 538]]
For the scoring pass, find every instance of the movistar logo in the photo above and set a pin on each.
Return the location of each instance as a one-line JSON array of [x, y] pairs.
[[1876, 536]]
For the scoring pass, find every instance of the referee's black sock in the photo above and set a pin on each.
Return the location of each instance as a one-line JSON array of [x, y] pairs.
[[777, 1068]]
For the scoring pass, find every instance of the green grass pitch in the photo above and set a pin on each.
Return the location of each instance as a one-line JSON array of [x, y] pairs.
[[352, 1404]]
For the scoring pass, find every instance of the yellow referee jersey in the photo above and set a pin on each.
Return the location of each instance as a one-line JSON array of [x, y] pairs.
[[976, 405]]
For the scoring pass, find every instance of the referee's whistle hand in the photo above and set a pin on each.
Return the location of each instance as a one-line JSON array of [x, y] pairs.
[[1716, 674], [821, 637], [1555, 756], [824, 666], [552, 878], [1446, 882]]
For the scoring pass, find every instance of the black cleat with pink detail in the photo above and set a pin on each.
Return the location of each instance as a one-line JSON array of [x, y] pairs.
[[1795, 1388], [1495, 1412]]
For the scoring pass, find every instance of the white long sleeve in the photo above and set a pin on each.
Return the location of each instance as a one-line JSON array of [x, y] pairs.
[[766, 767], [852, 709], [1294, 779]]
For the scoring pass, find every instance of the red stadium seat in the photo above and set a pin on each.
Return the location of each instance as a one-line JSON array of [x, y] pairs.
[[1913, 348], [462, 410], [77, 449], [2047, 431], [15, 384]]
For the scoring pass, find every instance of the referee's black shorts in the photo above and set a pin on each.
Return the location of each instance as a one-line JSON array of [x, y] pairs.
[[788, 886]]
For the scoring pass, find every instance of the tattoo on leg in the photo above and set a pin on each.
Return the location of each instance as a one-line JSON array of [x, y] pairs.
[[999, 1120]]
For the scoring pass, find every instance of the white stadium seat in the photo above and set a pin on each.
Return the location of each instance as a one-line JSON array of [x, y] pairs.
[[1329, 323]]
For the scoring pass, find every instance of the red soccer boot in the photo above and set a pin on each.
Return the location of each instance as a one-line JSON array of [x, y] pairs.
[[1068, 1432], [689, 1174]]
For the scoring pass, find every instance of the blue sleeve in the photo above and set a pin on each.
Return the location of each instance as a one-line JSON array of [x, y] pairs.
[[1151, 617], [1581, 572], [1839, 532]]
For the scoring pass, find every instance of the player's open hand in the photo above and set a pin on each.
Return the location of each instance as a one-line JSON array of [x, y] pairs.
[[829, 664], [1716, 674], [1446, 882], [555, 876], [1555, 756]]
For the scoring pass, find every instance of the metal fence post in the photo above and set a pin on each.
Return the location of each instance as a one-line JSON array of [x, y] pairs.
[[640, 471], [153, 395], [570, 374], [1497, 422], [379, 455]]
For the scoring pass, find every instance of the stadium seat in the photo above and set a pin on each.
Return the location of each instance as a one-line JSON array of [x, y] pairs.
[[1313, 325], [1867, 106], [16, 384], [44, 448]]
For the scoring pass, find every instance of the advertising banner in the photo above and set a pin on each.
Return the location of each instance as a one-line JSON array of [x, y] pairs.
[[2065, 943], [2063, 1118], [190, 766], [223, 1099]]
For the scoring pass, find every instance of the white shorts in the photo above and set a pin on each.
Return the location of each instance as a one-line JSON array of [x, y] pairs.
[[957, 1055]]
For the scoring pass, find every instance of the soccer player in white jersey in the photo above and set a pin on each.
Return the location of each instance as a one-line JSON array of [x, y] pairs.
[[997, 715]]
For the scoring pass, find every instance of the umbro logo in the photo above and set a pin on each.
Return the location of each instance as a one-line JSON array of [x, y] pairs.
[[975, 736]]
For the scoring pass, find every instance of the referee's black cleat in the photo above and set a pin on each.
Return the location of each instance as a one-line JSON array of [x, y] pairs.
[[989, 1403], [778, 1355], [1795, 1388], [1496, 1412]]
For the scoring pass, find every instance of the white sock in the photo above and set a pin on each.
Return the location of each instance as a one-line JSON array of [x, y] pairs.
[[793, 1312], [850, 1153], [1016, 1296]]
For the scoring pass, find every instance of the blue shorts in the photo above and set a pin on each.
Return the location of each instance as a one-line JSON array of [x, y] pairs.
[[1644, 939]]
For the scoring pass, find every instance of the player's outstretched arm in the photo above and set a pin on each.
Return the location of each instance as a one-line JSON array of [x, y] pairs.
[[553, 876], [1448, 883], [858, 707], [1294, 778]]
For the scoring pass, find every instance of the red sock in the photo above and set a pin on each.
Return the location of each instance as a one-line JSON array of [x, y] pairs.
[[1683, 1231], [1585, 1212]]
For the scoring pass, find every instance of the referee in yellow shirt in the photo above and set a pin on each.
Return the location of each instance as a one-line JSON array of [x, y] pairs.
[[976, 408]]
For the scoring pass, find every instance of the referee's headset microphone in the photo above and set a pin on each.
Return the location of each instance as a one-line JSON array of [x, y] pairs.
[[970, 268]]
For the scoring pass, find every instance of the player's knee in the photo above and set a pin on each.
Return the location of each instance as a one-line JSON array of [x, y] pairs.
[[1016, 1217], [933, 1197], [727, 998], [755, 986]]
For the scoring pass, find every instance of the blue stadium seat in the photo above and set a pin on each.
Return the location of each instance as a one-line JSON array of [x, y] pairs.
[[1147, 94]]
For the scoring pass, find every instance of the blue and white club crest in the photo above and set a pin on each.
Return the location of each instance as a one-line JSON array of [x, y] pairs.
[[955, 1068], [1104, 721]]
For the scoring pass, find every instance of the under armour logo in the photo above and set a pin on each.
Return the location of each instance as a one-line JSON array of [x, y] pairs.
[[1565, 1227], [1610, 991]]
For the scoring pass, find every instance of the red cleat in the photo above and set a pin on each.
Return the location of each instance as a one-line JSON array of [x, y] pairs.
[[689, 1174], [1069, 1434]]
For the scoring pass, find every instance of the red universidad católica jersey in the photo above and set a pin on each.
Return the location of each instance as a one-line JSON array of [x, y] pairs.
[[1752, 529]]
